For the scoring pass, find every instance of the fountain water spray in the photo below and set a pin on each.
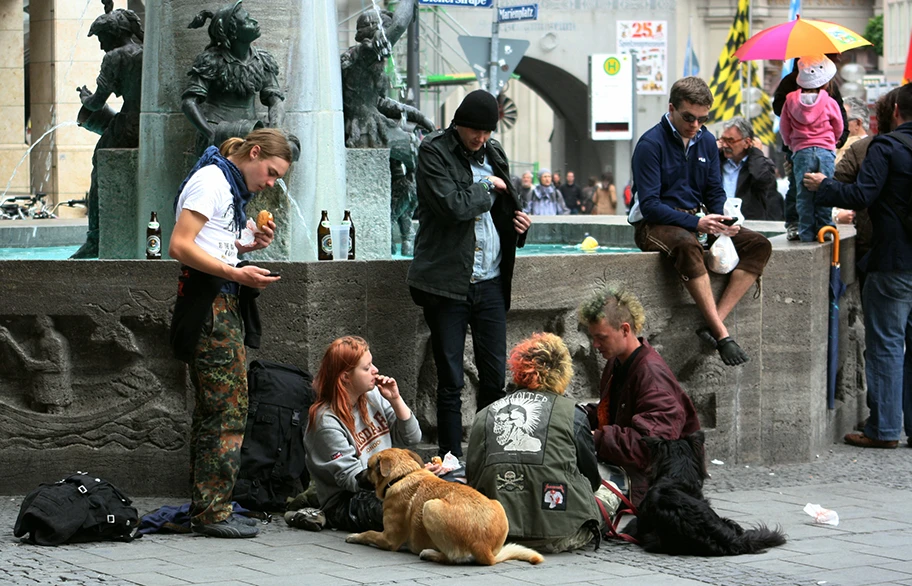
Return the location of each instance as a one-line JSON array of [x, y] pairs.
[[28, 152]]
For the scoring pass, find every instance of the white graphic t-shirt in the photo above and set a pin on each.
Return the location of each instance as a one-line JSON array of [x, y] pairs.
[[209, 193]]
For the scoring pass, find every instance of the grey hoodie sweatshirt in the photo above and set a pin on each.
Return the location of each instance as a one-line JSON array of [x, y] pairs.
[[335, 456]]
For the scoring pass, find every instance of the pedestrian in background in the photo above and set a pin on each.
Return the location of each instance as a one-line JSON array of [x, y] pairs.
[[546, 199], [525, 189], [884, 186], [587, 193], [572, 193], [604, 200], [810, 125], [789, 84], [747, 173]]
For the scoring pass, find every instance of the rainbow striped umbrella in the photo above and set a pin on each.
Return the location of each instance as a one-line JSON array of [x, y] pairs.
[[798, 38]]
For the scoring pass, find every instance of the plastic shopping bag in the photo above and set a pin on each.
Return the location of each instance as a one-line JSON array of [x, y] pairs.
[[723, 258], [732, 209]]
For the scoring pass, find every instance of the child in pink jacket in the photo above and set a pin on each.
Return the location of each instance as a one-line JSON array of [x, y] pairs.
[[810, 125]]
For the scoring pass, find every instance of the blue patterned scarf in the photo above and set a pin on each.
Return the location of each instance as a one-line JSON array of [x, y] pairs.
[[212, 156]]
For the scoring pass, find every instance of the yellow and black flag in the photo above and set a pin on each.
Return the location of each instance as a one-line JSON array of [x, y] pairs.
[[730, 74]]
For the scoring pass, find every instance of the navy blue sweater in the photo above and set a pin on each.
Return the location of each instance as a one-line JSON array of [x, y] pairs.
[[665, 177], [885, 172]]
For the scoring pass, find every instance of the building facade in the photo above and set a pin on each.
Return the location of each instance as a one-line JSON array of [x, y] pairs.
[[48, 55]]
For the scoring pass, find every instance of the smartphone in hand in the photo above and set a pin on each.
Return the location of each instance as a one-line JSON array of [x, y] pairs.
[[729, 222]]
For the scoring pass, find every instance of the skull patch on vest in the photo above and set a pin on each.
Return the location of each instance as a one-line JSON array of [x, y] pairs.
[[517, 427], [510, 481]]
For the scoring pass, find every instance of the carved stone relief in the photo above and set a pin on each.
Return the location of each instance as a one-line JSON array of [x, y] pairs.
[[96, 380]]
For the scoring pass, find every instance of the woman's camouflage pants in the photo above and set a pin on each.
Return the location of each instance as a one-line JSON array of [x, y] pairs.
[[219, 375]]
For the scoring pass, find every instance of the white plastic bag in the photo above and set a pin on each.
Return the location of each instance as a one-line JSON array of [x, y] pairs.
[[732, 209], [723, 258]]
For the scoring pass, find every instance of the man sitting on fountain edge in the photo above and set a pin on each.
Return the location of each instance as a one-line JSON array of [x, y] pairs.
[[676, 176]]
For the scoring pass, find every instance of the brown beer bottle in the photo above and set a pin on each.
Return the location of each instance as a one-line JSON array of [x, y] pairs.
[[153, 238], [324, 239], [347, 220]]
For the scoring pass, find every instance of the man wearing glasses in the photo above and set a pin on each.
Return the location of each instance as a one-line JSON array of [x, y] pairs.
[[676, 176], [747, 173]]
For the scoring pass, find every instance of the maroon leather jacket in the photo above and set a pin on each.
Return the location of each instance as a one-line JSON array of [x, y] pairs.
[[652, 403]]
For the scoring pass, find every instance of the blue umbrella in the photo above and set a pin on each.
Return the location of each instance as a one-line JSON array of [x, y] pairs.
[[837, 288]]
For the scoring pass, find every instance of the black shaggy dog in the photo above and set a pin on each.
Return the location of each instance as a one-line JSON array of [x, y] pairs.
[[676, 518]]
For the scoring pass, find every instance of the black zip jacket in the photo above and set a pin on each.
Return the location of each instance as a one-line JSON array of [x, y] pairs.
[[449, 200]]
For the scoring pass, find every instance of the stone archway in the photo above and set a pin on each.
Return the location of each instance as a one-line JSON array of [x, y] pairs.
[[568, 97]]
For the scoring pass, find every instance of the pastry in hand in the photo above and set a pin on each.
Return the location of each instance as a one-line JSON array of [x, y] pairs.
[[263, 218]]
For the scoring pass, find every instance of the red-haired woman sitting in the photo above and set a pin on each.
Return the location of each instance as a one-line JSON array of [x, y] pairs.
[[357, 414]]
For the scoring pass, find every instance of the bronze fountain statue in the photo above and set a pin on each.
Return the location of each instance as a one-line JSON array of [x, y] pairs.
[[373, 119], [228, 75], [120, 35]]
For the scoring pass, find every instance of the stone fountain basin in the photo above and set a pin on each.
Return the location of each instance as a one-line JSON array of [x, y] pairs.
[[130, 415]]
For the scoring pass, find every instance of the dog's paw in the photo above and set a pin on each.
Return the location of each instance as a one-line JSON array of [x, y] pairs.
[[432, 555], [353, 538]]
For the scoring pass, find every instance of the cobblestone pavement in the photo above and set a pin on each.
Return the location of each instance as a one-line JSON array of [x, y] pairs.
[[872, 544]]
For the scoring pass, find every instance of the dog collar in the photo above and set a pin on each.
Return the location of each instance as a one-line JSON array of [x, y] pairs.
[[392, 482]]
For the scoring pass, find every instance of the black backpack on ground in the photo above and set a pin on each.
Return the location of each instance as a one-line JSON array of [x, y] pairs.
[[77, 509], [272, 455]]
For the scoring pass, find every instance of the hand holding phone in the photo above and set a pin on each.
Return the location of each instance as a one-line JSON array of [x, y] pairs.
[[274, 275], [729, 221]]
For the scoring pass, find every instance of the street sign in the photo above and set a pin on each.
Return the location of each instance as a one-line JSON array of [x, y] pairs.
[[469, 3], [517, 13], [478, 51], [610, 97]]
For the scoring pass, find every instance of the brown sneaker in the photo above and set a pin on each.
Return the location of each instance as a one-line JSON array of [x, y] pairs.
[[862, 441]]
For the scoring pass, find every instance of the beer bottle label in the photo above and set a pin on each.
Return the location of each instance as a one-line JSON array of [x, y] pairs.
[[325, 224], [153, 244], [346, 223], [154, 225], [326, 244]]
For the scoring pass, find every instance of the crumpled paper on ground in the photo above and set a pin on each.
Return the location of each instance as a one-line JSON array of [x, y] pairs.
[[821, 515]]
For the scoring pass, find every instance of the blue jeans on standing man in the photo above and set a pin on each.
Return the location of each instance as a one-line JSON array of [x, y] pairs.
[[485, 311], [887, 303], [811, 218]]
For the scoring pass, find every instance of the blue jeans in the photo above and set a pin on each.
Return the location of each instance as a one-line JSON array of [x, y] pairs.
[[812, 218], [483, 309], [888, 367]]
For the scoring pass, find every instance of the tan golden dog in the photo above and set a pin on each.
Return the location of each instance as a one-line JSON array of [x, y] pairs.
[[445, 522]]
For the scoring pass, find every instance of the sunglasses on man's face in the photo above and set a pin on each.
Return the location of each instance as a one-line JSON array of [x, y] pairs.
[[730, 141], [690, 118]]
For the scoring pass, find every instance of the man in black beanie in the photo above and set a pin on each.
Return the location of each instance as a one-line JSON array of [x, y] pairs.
[[470, 224]]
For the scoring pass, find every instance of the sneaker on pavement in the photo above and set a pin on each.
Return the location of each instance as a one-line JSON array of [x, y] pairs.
[[230, 528], [249, 521], [308, 518], [791, 232]]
